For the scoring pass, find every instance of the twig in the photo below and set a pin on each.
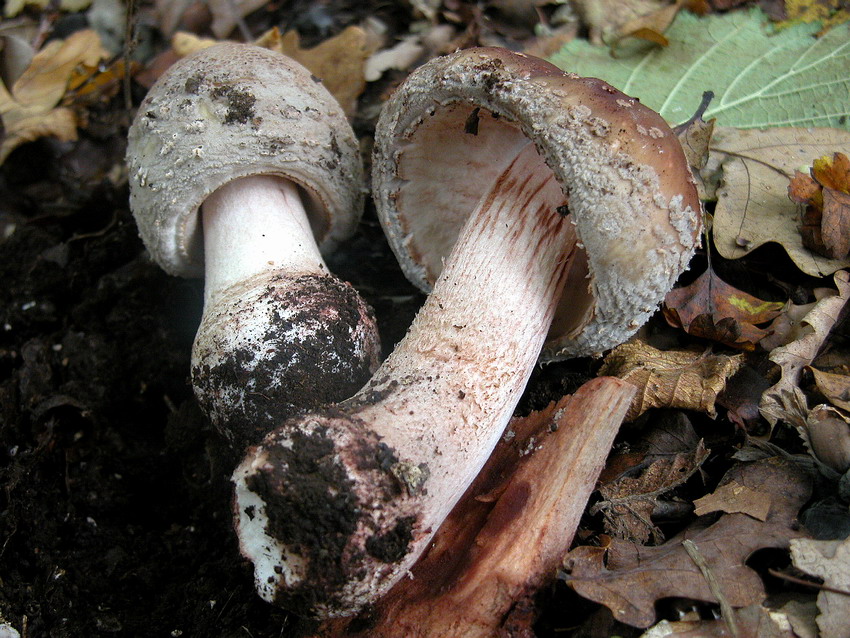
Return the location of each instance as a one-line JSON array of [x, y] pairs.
[[725, 608], [807, 583]]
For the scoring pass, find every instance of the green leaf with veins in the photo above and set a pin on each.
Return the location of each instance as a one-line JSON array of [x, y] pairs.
[[759, 79]]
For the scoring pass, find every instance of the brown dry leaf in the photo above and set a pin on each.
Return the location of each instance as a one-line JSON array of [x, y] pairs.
[[733, 497], [339, 61], [627, 503], [835, 387], [604, 17], [649, 27], [635, 577], [686, 379], [30, 110], [829, 437], [829, 560], [753, 207], [779, 401], [826, 197], [712, 309]]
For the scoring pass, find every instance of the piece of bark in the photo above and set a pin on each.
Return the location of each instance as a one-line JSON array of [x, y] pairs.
[[507, 536]]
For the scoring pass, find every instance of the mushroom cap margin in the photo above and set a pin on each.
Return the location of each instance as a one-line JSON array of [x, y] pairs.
[[632, 196]]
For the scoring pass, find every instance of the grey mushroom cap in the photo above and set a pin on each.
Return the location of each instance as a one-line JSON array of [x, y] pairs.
[[456, 123], [230, 111]]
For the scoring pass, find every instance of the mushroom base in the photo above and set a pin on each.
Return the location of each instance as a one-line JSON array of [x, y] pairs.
[[276, 345], [323, 510]]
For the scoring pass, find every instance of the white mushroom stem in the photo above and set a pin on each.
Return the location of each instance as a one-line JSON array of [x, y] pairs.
[[335, 507], [279, 333], [254, 225]]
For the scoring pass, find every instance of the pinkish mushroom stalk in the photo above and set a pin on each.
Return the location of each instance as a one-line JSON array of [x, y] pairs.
[[569, 209], [244, 169]]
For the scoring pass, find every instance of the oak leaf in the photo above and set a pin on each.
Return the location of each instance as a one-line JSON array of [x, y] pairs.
[[629, 578], [829, 560], [712, 309], [753, 207], [825, 193], [782, 400]]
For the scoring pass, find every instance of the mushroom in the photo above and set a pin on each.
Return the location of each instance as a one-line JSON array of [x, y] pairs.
[[533, 182], [244, 169]]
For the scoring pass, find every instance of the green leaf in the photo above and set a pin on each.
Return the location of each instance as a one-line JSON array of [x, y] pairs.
[[759, 79]]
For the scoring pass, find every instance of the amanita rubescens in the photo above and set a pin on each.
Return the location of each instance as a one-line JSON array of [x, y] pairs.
[[244, 169], [562, 207]]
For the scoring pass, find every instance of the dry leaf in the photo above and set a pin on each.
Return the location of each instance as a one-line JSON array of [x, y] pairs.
[[828, 12], [635, 577], [829, 560], [604, 17], [777, 402], [835, 387], [686, 379], [627, 503], [753, 207], [754, 620], [227, 14], [826, 197], [29, 111], [649, 27], [400, 57], [339, 61], [732, 497], [829, 437], [712, 309]]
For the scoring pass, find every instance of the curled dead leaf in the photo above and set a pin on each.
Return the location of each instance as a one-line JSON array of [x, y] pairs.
[[29, 110], [685, 379]]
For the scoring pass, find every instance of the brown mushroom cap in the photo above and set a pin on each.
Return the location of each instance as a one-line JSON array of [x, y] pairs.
[[230, 111], [457, 122]]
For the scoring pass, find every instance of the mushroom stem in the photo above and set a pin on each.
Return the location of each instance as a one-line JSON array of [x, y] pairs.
[[252, 226], [334, 508], [279, 333]]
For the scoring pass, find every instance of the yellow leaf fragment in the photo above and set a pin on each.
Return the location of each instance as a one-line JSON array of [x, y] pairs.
[[29, 110], [686, 379], [732, 497]]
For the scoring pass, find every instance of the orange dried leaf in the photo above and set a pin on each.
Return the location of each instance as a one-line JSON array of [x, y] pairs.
[[803, 189], [833, 172]]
